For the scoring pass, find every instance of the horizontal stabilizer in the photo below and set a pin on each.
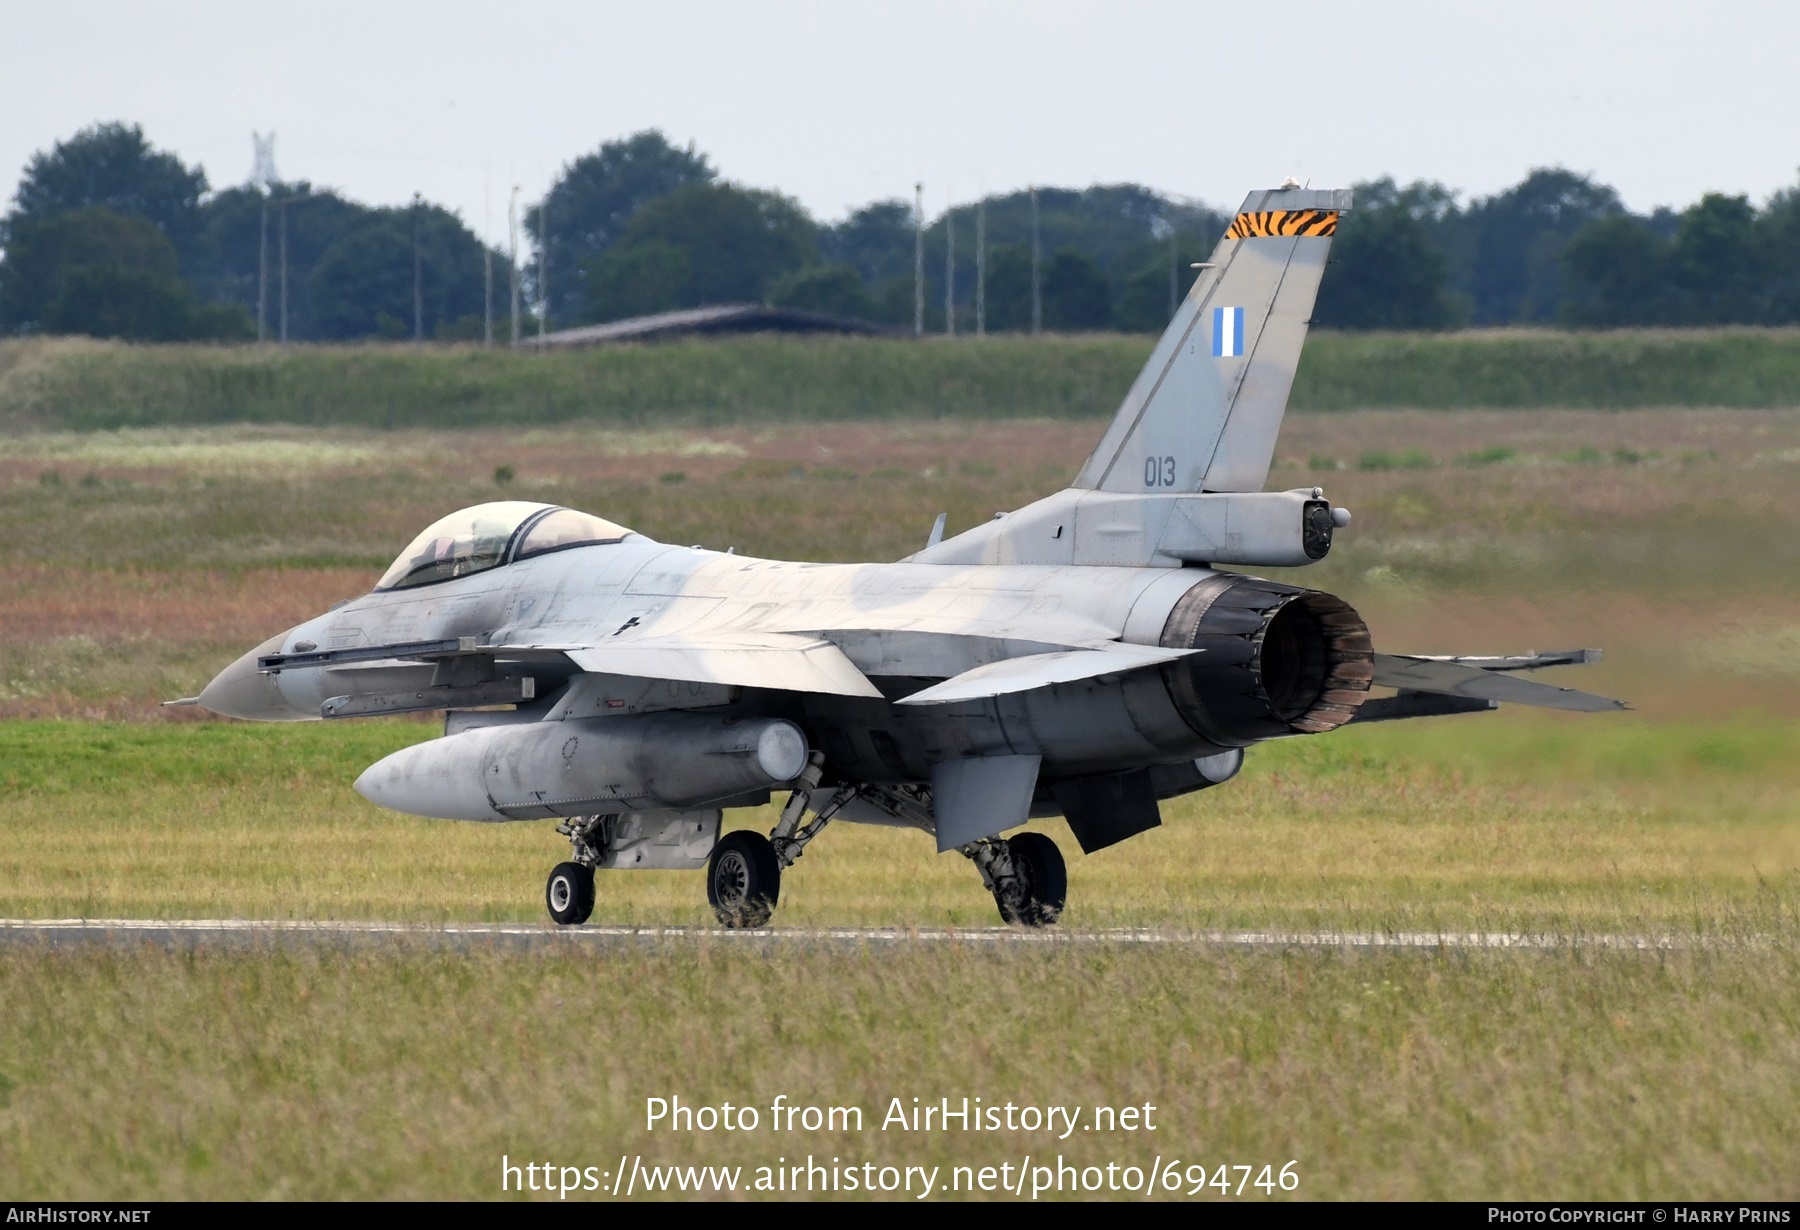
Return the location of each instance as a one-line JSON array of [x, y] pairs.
[[1419, 704], [1520, 661], [1451, 678], [1040, 670], [780, 661]]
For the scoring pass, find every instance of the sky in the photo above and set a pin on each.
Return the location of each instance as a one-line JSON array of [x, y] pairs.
[[841, 103]]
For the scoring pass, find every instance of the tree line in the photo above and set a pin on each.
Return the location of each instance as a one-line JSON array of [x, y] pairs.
[[111, 237], [1560, 249]]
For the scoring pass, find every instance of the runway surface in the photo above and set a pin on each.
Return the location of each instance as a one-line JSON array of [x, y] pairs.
[[189, 933]]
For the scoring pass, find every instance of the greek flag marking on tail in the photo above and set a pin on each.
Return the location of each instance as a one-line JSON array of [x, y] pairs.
[[1228, 332]]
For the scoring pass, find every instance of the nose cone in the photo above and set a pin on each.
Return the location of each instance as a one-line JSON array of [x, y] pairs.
[[242, 691]]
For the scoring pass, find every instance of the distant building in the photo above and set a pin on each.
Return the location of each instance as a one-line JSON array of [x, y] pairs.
[[716, 321]]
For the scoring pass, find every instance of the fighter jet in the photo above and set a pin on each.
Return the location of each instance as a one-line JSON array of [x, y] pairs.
[[1088, 655]]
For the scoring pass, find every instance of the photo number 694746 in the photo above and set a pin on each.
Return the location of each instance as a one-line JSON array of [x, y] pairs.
[[1159, 471]]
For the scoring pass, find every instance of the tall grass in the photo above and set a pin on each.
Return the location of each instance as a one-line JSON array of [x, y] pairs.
[[1520, 369], [82, 385], [333, 1074]]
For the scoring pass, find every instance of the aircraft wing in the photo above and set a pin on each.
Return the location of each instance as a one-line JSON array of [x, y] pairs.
[[1452, 677], [791, 662], [1040, 670]]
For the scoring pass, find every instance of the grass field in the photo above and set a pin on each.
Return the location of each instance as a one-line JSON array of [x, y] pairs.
[[76, 384], [135, 563], [283, 1074]]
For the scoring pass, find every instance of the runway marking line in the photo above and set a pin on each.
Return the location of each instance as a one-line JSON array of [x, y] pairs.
[[196, 930]]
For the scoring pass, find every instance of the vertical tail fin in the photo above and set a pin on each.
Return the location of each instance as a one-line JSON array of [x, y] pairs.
[[1204, 413]]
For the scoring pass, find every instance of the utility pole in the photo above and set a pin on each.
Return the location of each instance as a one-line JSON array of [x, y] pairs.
[[512, 261], [949, 270], [263, 177], [418, 278], [1037, 293], [918, 260], [487, 261], [262, 274], [487, 295], [1174, 277], [543, 268], [284, 205], [281, 207], [981, 267]]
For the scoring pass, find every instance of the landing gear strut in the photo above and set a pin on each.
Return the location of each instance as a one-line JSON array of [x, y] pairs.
[[743, 876], [1026, 874]]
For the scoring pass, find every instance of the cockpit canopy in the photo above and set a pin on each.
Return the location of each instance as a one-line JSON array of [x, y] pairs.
[[488, 535]]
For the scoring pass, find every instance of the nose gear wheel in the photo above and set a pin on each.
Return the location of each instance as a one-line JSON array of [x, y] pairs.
[[569, 893]]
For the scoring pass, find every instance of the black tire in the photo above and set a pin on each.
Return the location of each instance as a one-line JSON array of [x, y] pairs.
[[743, 880], [1037, 861], [569, 893]]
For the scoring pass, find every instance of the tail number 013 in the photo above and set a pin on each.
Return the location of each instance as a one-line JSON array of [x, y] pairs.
[[1159, 471]]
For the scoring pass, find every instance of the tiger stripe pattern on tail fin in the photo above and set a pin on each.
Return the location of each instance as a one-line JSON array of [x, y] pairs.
[[1319, 222]]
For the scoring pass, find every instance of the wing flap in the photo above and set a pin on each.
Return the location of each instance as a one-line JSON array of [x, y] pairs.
[[1450, 678], [779, 661], [1040, 670]]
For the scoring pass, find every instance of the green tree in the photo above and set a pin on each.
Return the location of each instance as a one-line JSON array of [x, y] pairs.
[[231, 246], [1618, 274], [1009, 288], [112, 166], [876, 240], [1143, 304], [1777, 240], [1121, 228], [594, 199], [1515, 241], [636, 280], [1713, 262], [1385, 271], [1076, 294], [367, 274], [101, 273], [836, 290], [736, 241]]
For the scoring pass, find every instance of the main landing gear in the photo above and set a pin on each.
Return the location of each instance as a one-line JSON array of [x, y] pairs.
[[1026, 874], [743, 876], [743, 880]]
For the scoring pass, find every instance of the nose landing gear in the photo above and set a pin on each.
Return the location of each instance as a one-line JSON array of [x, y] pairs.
[[569, 893]]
